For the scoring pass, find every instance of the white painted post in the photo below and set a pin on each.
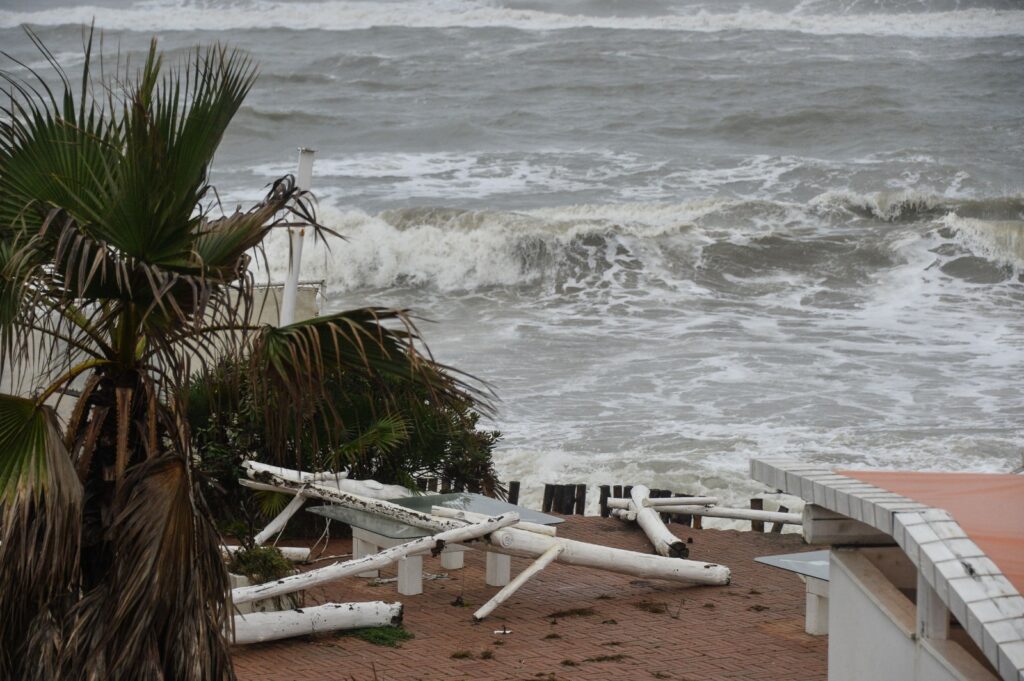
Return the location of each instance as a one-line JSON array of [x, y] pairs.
[[303, 180], [410, 575], [499, 569], [932, 614], [453, 559], [816, 617], [361, 549]]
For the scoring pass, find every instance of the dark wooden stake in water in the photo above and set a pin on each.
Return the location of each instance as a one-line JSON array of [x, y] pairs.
[[513, 492], [757, 505]]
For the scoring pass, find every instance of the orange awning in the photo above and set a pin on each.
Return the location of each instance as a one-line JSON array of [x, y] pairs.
[[988, 506]]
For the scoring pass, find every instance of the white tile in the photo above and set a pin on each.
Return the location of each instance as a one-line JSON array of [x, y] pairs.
[[947, 529], [996, 609], [1011, 659]]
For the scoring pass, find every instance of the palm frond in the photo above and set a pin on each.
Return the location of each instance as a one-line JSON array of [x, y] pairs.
[[162, 613], [291, 367], [40, 525]]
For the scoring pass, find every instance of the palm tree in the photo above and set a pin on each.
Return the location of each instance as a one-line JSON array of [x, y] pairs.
[[119, 281]]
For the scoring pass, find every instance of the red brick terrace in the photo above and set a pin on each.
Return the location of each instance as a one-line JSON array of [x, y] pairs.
[[635, 629]]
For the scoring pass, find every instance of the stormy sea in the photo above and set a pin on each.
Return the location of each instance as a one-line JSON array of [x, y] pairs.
[[671, 234]]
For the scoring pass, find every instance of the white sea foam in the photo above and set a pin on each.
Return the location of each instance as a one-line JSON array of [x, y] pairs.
[[343, 15]]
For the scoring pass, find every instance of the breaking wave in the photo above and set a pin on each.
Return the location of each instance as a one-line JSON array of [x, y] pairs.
[[344, 15], [719, 243]]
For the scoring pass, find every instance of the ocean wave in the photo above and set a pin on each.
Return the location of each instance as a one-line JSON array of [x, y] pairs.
[[909, 205], [344, 15], [732, 245]]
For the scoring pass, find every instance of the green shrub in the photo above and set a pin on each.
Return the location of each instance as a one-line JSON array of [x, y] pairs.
[[260, 564], [385, 429]]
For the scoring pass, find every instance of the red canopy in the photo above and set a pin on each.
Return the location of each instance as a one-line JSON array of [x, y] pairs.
[[988, 506]]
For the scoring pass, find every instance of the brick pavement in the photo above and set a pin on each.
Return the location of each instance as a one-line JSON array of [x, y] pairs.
[[639, 629]]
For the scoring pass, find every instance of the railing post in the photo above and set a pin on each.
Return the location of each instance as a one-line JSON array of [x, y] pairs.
[[296, 235]]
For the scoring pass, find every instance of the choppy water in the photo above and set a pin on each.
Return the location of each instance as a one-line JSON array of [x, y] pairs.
[[672, 234]]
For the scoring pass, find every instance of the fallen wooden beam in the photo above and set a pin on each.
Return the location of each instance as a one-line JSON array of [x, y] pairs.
[[366, 488], [665, 543], [735, 513], [295, 554], [279, 522], [435, 544], [513, 586], [529, 544], [519, 542], [470, 516], [664, 501], [257, 627]]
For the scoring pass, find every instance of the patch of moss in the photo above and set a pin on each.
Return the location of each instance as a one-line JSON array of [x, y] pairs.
[[570, 663], [390, 637], [487, 655], [462, 655]]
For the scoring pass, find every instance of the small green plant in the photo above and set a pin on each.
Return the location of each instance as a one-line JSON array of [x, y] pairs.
[[389, 637], [260, 564], [462, 655], [552, 636], [487, 655]]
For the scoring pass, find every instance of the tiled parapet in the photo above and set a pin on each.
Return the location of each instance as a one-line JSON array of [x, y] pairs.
[[970, 585]]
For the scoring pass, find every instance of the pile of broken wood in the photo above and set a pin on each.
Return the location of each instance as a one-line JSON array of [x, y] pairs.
[[504, 533]]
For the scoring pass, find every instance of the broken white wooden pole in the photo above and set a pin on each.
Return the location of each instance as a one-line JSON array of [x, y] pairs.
[[471, 516], [257, 627], [295, 554], [366, 488], [665, 543], [358, 502], [664, 501], [520, 542], [336, 571], [279, 522], [291, 473], [735, 513], [513, 586]]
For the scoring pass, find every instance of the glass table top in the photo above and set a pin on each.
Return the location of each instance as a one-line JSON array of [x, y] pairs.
[[463, 501], [809, 563]]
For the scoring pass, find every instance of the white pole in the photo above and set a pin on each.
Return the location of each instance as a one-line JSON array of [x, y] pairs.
[[513, 586], [303, 180], [257, 627], [278, 523], [515, 542], [336, 571], [665, 543], [735, 513], [665, 501]]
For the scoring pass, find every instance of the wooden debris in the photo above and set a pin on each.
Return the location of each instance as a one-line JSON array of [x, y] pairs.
[[257, 627], [536, 566], [515, 541], [386, 557], [665, 543]]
